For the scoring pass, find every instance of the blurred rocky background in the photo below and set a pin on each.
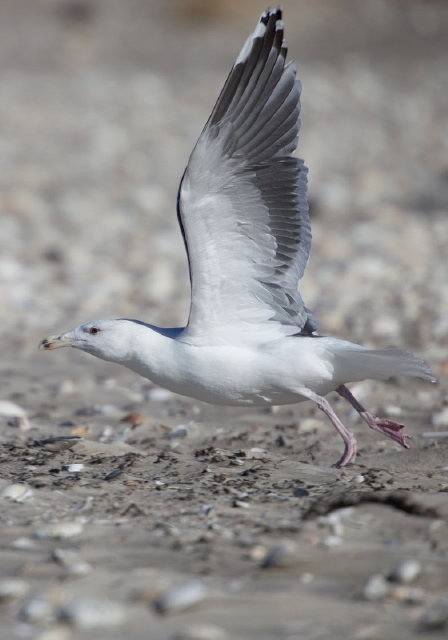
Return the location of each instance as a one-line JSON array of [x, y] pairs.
[[101, 102]]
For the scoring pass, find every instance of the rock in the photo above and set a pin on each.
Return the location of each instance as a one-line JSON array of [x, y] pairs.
[[200, 632], [12, 410], [180, 597], [12, 588], [440, 419], [60, 530], [406, 571], [436, 616], [16, 492], [75, 467], [89, 613], [35, 609], [376, 588], [181, 431], [281, 555], [58, 444]]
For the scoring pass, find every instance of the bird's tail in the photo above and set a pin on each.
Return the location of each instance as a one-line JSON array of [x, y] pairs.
[[362, 364]]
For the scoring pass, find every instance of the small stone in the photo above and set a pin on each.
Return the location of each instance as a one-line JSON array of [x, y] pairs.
[[298, 492], [56, 445], [180, 597], [306, 578], [134, 419], [12, 588], [436, 616], [89, 613], [22, 543], [376, 588], [240, 504], [440, 419], [393, 411], [281, 555], [405, 572], [75, 467], [331, 541], [257, 553], [76, 567], [408, 595], [59, 632], [158, 395], [60, 530], [181, 431], [35, 609], [16, 492], [200, 632], [12, 410]]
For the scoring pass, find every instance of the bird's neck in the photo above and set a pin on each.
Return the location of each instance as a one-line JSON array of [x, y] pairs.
[[153, 351]]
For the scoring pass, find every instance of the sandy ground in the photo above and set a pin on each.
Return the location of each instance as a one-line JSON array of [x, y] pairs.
[[99, 109]]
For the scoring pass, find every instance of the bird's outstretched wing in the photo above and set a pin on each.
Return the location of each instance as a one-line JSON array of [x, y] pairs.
[[242, 201]]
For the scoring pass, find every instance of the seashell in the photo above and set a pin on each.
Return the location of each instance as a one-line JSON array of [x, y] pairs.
[[16, 492]]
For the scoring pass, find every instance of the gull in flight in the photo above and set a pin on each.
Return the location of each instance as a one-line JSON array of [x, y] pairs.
[[243, 213]]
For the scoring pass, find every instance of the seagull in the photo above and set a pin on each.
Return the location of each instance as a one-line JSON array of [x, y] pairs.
[[243, 213]]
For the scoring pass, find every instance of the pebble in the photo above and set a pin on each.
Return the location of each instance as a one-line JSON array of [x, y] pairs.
[[22, 543], [436, 616], [281, 555], [409, 595], [376, 588], [90, 613], [16, 492], [60, 530], [393, 411], [200, 632], [158, 395], [58, 632], [134, 419], [240, 504], [180, 597], [35, 608], [440, 419], [11, 588], [12, 410], [56, 445], [298, 492], [76, 567], [406, 571], [330, 541], [358, 479], [75, 467], [181, 431], [257, 553]]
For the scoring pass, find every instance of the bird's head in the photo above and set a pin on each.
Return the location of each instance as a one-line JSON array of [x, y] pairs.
[[105, 339]]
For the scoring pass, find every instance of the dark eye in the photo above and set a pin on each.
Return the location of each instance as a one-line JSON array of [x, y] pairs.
[[94, 330]]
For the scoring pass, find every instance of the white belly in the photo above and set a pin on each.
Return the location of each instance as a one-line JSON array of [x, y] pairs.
[[228, 375]]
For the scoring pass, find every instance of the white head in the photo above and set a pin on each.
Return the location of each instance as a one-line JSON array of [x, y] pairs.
[[106, 339]]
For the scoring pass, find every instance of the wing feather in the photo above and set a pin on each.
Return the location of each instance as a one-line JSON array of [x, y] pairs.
[[242, 201]]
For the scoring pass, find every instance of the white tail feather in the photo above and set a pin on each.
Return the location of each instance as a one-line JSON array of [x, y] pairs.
[[364, 364]]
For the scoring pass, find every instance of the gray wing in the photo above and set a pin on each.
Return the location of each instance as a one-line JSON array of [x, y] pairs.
[[242, 202]]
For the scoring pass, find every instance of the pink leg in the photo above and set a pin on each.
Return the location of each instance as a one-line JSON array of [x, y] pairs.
[[349, 454], [389, 428]]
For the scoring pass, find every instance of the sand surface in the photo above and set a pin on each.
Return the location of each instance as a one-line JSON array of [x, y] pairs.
[[100, 106]]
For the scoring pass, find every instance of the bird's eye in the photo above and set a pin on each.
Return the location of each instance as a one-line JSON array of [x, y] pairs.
[[94, 330]]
